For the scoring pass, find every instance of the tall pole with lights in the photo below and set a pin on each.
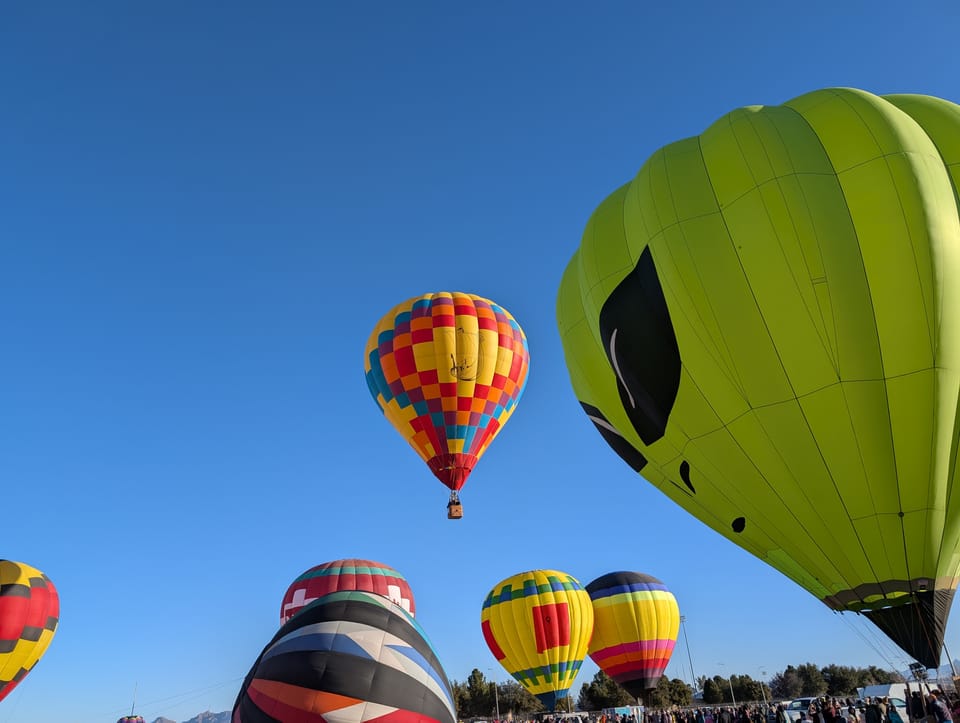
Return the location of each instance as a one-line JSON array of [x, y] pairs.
[[496, 694], [683, 620]]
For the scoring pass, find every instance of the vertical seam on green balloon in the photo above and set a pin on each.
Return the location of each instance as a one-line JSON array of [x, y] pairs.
[[773, 490], [853, 227], [903, 539], [954, 444], [826, 155], [906, 558]]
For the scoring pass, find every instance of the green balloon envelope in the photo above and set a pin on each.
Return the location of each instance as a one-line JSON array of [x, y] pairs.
[[765, 324]]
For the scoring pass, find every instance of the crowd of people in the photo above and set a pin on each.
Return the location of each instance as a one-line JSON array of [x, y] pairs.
[[935, 707], [938, 707]]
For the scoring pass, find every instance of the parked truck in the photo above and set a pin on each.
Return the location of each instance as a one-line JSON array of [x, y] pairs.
[[889, 690]]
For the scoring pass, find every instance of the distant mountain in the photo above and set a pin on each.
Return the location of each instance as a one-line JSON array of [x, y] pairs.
[[205, 717], [945, 673]]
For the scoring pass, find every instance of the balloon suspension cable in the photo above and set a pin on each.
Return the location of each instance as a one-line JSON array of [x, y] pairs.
[[134, 705], [454, 497]]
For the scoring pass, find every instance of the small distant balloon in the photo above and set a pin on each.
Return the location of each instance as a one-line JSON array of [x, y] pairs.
[[349, 656], [29, 613], [131, 719], [344, 575], [447, 370]]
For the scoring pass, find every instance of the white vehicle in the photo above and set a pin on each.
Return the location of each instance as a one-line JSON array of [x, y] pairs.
[[797, 706], [890, 690]]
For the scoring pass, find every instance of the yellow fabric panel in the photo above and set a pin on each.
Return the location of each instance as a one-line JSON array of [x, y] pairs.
[[651, 618], [512, 610]]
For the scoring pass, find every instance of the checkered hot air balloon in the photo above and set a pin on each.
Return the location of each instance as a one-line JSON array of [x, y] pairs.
[[343, 575], [447, 370], [29, 612], [349, 657], [635, 626], [537, 624]]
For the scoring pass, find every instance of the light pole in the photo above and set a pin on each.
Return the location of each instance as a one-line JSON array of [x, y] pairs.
[[762, 691], [496, 694], [683, 620], [730, 683]]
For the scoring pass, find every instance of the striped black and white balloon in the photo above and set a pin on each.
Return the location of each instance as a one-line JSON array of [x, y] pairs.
[[348, 657]]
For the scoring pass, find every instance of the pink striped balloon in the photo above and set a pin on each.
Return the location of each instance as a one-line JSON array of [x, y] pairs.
[[636, 621]]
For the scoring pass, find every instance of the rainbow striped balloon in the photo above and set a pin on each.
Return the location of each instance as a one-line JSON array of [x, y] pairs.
[[636, 621]]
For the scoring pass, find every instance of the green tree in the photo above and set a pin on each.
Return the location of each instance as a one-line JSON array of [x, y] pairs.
[[602, 692], [517, 699], [713, 689], [669, 693], [461, 699], [565, 704], [480, 694], [841, 679], [811, 680], [786, 685], [877, 676], [747, 689]]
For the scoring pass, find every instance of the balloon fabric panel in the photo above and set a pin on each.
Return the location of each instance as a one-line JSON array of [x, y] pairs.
[[636, 622], [447, 370], [29, 613], [349, 656], [537, 624], [795, 270], [343, 575]]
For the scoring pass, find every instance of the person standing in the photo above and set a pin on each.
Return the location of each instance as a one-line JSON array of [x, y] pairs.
[[937, 707], [916, 708]]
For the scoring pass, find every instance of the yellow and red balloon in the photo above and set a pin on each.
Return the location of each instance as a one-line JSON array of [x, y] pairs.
[[29, 613], [538, 624], [447, 370]]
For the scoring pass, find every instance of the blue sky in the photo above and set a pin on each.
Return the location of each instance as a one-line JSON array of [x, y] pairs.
[[205, 211]]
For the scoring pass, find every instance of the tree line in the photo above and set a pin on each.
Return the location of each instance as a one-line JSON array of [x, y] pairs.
[[478, 697]]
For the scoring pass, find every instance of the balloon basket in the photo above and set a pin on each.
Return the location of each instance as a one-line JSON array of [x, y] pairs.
[[454, 511]]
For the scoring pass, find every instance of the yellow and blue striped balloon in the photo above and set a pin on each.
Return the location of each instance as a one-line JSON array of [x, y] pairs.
[[538, 626], [636, 621]]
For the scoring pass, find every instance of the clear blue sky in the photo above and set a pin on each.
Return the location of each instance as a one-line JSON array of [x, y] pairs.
[[206, 208]]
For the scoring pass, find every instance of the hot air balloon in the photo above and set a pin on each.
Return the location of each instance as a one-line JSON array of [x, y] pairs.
[[765, 324], [447, 371], [131, 719], [29, 611], [350, 574], [635, 626], [349, 656], [537, 624]]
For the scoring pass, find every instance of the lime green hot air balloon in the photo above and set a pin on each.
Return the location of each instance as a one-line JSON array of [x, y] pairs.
[[765, 324]]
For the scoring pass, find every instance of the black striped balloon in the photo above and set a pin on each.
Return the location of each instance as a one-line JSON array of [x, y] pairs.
[[348, 657]]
